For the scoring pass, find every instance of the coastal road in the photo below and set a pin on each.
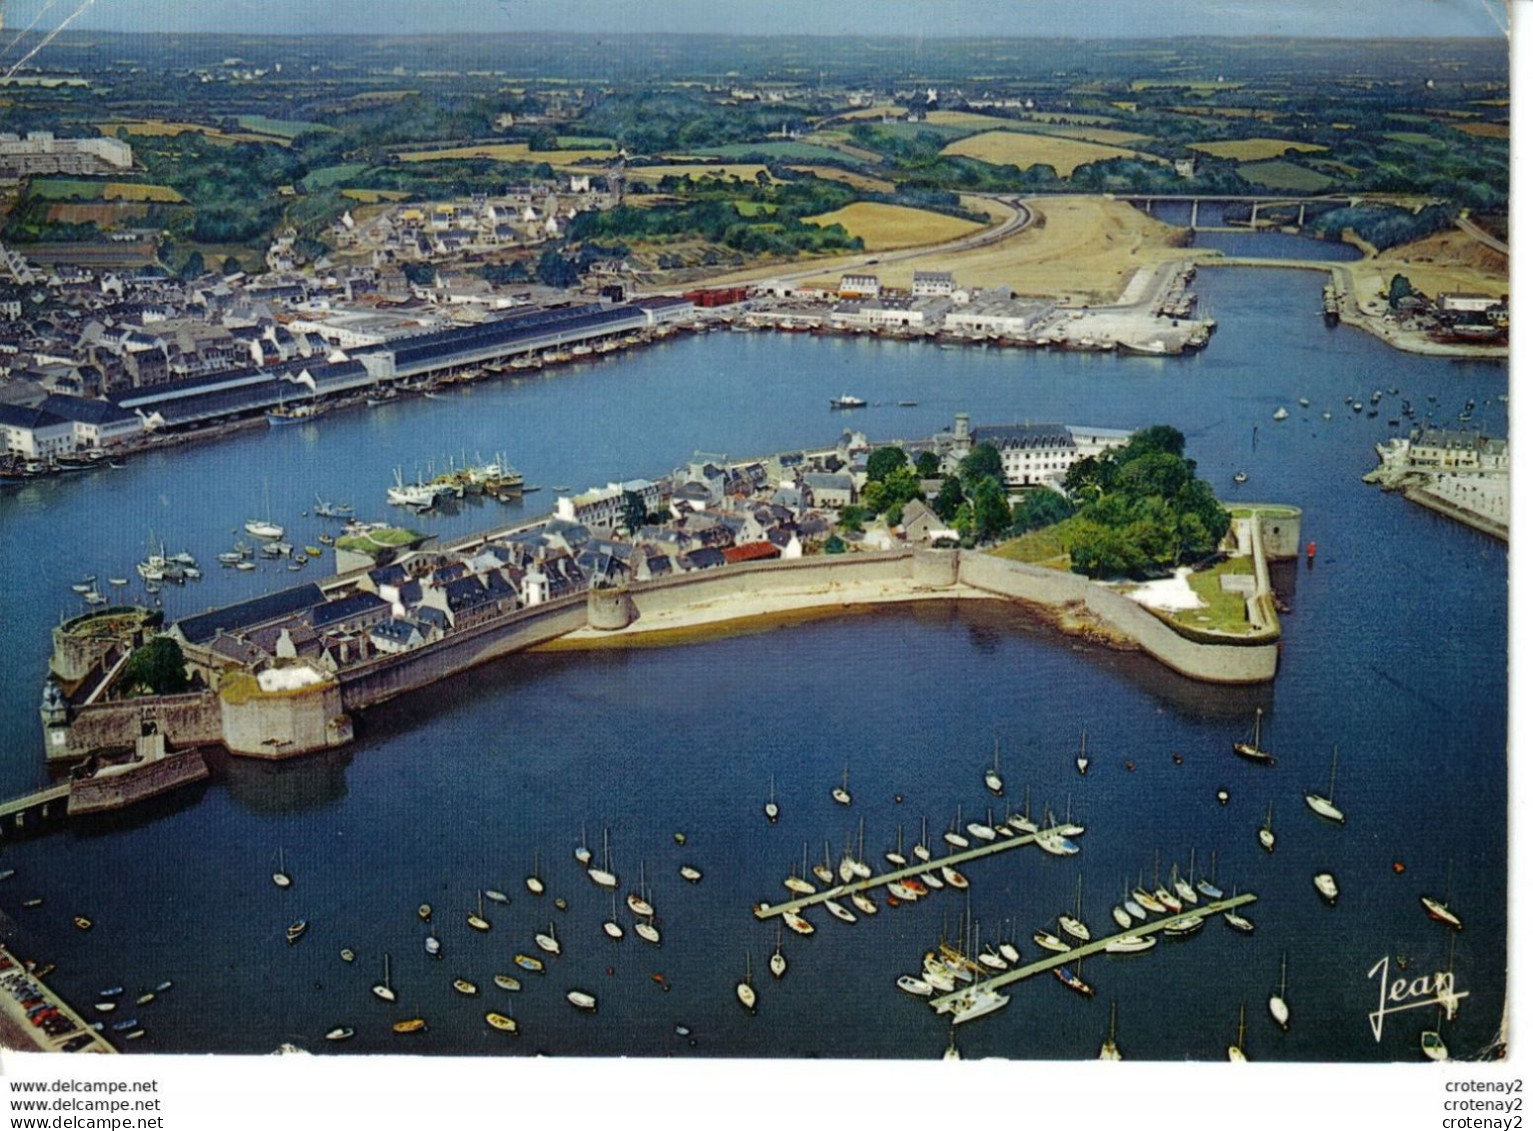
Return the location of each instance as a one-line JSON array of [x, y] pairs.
[[1471, 228]]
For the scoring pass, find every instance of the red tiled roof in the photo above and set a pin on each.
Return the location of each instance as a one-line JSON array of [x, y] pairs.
[[750, 552]]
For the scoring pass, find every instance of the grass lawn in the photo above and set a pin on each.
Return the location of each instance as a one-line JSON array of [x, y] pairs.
[[66, 189], [331, 175], [1046, 547], [782, 150], [1226, 612], [755, 208], [516, 151]]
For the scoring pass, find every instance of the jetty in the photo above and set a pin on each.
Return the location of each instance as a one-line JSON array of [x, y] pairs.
[[1096, 946], [989, 848]]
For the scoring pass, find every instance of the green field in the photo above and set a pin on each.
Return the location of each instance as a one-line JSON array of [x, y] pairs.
[[787, 150], [64, 188], [278, 127], [1416, 139], [573, 142], [331, 175], [754, 208], [1284, 175]]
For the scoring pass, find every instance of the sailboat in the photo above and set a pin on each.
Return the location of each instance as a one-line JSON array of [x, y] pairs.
[[1023, 822], [840, 795], [280, 876], [794, 883], [602, 877], [1325, 884], [640, 906], [1326, 805], [919, 849], [477, 920], [860, 868], [582, 853], [822, 872], [611, 926], [897, 857], [1071, 924], [1207, 885], [264, 529], [1265, 834], [1253, 749], [535, 881], [847, 868], [779, 964], [548, 943], [1275, 1004], [953, 836], [771, 805], [744, 990], [385, 989], [1237, 1051], [993, 774], [1081, 761], [1110, 1046]]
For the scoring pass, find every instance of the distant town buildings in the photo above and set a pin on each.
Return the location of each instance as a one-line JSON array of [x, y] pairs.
[[40, 153]]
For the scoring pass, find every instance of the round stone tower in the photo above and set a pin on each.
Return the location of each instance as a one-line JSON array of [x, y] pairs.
[[609, 609]]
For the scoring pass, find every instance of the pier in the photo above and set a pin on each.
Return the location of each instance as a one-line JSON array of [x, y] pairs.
[[1001, 843], [44, 803], [1096, 946]]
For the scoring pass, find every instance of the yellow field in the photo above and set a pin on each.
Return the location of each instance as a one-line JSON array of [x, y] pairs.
[[856, 180], [1097, 134], [1086, 250], [1447, 261], [875, 111], [163, 194], [158, 128], [1256, 148], [1484, 129], [1003, 147], [373, 196], [1226, 112], [510, 151], [885, 226], [726, 171]]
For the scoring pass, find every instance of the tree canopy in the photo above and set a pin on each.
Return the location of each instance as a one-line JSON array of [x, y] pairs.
[[158, 667]]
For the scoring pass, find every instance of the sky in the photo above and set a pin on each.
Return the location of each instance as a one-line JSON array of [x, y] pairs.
[[1068, 18]]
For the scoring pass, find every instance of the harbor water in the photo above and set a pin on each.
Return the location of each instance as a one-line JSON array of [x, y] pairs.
[[1394, 652]]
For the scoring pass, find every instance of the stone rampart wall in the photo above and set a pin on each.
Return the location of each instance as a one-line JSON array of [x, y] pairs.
[[184, 720]]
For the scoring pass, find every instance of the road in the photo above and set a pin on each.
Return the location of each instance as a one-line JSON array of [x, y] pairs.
[[1479, 233]]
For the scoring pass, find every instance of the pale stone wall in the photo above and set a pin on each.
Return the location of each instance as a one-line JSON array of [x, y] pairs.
[[282, 723]]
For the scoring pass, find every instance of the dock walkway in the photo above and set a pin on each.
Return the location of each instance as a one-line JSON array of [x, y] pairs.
[[989, 848], [1096, 946]]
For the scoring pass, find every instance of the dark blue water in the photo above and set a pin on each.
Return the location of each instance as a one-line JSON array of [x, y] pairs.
[[1395, 651], [1249, 245]]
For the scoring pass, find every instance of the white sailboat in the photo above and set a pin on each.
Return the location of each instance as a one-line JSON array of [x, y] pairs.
[[1110, 1046], [1081, 761], [385, 988], [822, 872], [1071, 924], [1276, 1005], [548, 943], [860, 868], [840, 794], [993, 774], [919, 849], [602, 876], [582, 853], [611, 926], [1237, 1051], [1325, 805], [771, 805], [265, 528], [639, 905], [535, 881], [476, 919], [953, 836], [744, 991], [1325, 884], [1265, 834], [280, 876], [779, 964], [897, 857]]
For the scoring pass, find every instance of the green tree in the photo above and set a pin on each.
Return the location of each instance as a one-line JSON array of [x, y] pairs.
[[928, 466], [634, 511], [884, 461], [193, 266], [984, 460], [231, 265], [1399, 288], [852, 518], [1039, 507], [157, 668], [834, 545], [992, 517], [948, 499]]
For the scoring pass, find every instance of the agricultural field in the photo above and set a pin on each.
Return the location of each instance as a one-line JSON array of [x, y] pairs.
[[846, 177], [157, 127], [373, 196], [1484, 129], [1065, 155], [279, 127], [510, 151], [754, 208], [782, 150], [573, 142], [1037, 124], [1412, 138], [1285, 176], [694, 171], [1256, 148], [66, 189], [885, 226], [331, 175]]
